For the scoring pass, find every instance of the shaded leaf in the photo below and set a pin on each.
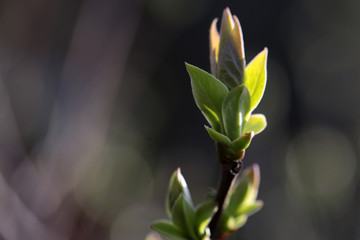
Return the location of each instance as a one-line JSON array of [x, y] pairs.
[[230, 66], [235, 110], [183, 216], [227, 25]]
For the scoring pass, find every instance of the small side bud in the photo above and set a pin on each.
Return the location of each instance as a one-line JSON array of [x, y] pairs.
[[177, 187]]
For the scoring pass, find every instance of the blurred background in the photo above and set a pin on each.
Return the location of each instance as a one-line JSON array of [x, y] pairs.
[[96, 112]]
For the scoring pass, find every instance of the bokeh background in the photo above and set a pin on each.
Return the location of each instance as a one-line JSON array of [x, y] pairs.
[[96, 112]]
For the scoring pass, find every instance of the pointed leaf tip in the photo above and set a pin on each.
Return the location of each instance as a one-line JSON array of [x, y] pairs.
[[257, 123], [177, 187], [255, 78]]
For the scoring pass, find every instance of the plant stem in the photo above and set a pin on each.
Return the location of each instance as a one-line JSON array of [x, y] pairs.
[[230, 170]]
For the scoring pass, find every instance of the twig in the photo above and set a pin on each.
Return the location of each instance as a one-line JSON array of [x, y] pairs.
[[231, 167]]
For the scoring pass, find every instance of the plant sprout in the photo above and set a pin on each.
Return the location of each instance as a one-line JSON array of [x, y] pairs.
[[227, 98]]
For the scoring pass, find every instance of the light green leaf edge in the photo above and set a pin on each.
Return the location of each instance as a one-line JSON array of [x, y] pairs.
[[208, 93], [204, 214], [250, 209], [257, 123], [234, 223], [235, 111], [255, 77], [168, 229]]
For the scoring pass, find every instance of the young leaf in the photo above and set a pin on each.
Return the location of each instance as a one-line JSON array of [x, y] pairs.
[[214, 47], [255, 78], [237, 197], [257, 123], [209, 93], [234, 223], [230, 66], [218, 137], [190, 216], [235, 110], [183, 216], [245, 191], [168, 229], [204, 214], [231, 63], [227, 25], [252, 208], [177, 187], [242, 142]]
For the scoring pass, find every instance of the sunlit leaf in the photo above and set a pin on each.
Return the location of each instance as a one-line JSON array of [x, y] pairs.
[[214, 47], [204, 213], [234, 223], [252, 208], [257, 123], [255, 77], [168, 229], [209, 93], [235, 109]]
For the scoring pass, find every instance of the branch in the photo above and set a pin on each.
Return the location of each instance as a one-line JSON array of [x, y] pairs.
[[231, 167]]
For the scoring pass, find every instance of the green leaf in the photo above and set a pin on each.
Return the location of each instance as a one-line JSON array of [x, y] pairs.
[[231, 67], [242, 142], [204, 214], [252, 208], [218, 137], [238, 197], [183, 216], [168, 229], [230, 223], [177, 187], [234, 223], [255, 77], [257, 123], [235, 109], [227, 25], [209, 93], [245, 192]]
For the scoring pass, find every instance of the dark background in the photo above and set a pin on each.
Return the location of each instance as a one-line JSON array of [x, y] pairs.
[[96, 112]]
